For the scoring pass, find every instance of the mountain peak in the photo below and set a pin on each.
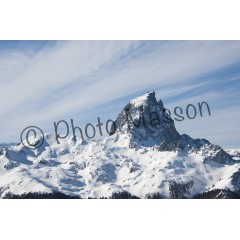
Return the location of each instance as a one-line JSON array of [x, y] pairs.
[[145, 120], [144, 100]]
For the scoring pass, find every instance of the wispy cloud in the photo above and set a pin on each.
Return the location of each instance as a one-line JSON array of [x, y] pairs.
[[77, 78]]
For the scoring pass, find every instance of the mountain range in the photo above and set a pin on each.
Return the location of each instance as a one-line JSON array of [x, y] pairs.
[[144, 157]]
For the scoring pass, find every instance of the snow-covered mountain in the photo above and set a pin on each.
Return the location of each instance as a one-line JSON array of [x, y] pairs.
[[145, 157]]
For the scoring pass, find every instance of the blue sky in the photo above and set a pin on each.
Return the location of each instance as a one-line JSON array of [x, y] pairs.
[[47, 81]]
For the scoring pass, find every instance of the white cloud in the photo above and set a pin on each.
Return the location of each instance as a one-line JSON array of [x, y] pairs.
[[76, 76]]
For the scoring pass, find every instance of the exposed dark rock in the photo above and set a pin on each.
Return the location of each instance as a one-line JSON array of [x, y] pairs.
[[39, 195], [218, 194], [179, 190], [148, 124]]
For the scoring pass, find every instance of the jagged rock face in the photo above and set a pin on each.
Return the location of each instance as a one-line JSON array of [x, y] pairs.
[[147, 122], [202, 147]]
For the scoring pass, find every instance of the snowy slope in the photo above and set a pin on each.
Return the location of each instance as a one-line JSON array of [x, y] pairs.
[[142, 161]]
